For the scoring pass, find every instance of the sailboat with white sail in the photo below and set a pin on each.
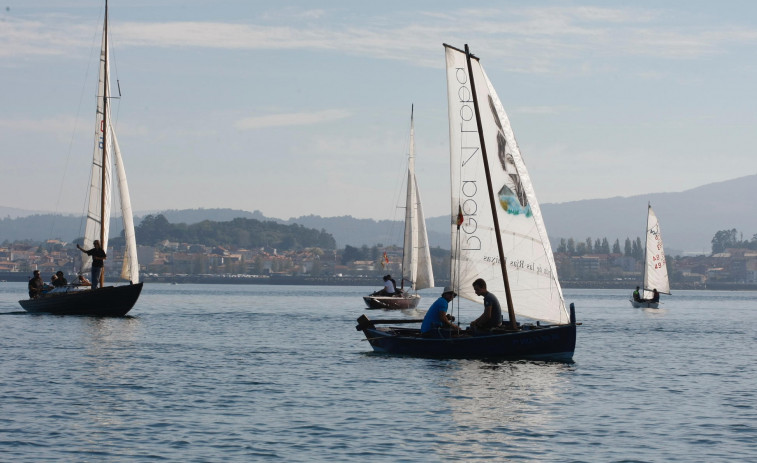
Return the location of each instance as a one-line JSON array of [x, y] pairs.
[[106, 162], [416, 255], [655, 278], [497, 234]]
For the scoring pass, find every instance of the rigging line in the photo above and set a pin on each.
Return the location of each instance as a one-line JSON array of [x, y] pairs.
[[93, 47]]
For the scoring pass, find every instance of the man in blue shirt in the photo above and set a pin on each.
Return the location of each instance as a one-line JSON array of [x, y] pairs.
[[436, 316]]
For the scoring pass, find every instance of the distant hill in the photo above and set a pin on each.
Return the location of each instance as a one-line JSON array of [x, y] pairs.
[[689, 219]]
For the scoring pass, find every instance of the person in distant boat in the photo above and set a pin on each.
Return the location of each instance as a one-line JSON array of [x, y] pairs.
[[655, 296], [636, 295], [492, 316], [436, 317], [98, 261], [60, 279], [36, 285], [83, 281], [389, 287]]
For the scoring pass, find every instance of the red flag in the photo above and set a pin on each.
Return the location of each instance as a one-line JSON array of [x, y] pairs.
[[385, 262], [459, 216]]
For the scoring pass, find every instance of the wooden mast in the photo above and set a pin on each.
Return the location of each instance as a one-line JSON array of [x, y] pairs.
[[502, 262], [105, 139]]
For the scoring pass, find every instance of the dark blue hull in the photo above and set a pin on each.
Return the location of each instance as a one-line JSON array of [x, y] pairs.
[[392, 302], [110, 301], [555, 342]]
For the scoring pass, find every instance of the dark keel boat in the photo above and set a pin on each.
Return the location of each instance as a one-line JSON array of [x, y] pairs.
[[107, 301], [498, 235], [529, 341], [110, 301]]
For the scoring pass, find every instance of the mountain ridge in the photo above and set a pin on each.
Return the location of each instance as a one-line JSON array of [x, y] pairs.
[[689, 219]]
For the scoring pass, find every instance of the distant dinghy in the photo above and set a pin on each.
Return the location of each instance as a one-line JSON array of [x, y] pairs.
[[416, 255], [111, 301], [655, 267]]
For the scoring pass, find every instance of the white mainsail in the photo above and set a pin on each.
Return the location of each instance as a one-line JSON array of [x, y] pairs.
[[535, 290], [416, 261], [105, 156], [655, 268]]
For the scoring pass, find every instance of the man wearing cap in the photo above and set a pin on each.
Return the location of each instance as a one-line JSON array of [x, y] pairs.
[[436, 316], [36, 285]]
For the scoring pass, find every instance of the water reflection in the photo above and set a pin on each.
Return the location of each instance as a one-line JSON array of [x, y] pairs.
[[500, 408], [105, 374]]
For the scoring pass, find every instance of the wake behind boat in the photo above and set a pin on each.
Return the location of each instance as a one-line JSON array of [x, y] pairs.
[[498, 235], [416, 255], [111, 300], [655, 268]]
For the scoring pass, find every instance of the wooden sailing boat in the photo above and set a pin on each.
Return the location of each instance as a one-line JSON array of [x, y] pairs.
[[416, 255], [106, 300], [498, 234], [655, 268]]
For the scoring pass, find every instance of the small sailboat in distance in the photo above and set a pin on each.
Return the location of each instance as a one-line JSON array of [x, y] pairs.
[[416, 255], [655, 270]]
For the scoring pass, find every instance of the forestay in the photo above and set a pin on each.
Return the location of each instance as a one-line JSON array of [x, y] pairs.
[[535, 290]]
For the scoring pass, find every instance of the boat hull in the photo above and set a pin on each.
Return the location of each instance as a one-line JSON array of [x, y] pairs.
[[110, 301], [555, 343], [644, 304], [392, 302]]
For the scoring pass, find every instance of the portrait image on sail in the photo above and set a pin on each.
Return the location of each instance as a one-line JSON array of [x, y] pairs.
[[105, 164], [497, 236]]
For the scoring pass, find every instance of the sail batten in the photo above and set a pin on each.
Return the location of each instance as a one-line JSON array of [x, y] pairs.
[[531, 270]]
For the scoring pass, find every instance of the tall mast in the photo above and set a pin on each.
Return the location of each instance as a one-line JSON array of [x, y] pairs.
[[105, 123], [502, 262], [408, 206], [646, 236]]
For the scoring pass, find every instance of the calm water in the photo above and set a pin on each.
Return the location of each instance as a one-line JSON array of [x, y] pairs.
[[207, 373]]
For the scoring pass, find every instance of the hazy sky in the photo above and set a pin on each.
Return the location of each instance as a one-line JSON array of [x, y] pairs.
[[303, 107]]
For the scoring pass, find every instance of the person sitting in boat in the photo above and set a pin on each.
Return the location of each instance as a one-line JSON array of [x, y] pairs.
[[60, 279], [436, 317], [390, 287], [36, 285], [655, 296], [492, 316], [98, 261], [83, 281], [636, 295]]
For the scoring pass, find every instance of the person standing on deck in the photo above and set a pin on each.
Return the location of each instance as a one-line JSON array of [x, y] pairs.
[[98, 261]]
